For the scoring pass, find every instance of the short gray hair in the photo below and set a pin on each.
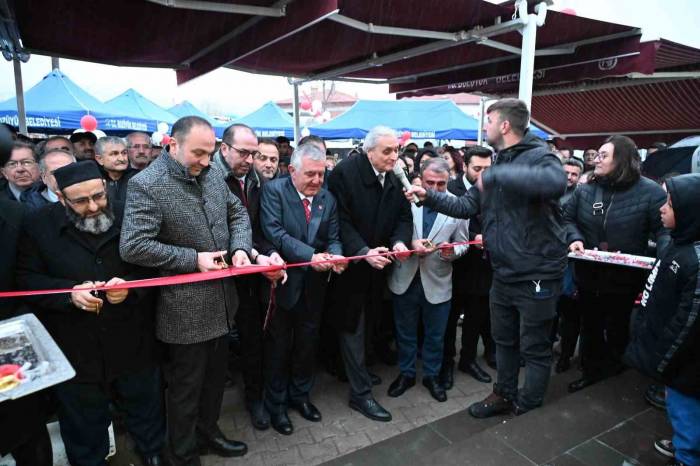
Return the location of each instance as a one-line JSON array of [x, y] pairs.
[[137, 133], [309, 151], [372, 138], [102, 142], [435, 164], [42, 160]]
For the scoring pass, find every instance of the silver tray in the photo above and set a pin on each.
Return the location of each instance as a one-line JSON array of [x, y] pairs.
[[24, 340]]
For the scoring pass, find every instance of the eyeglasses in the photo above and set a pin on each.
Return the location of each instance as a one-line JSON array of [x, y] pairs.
[[26, 163], [245, 153], [264, 158], [140, 146], [85, 201]]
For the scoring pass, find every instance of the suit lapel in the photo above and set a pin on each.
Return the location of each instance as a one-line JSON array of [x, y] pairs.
[[296, 206], [316, 214], [437, 225], [417, 220]]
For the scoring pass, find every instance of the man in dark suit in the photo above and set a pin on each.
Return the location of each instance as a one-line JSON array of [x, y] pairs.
[[375, 218], [235, 161], [471, 284], [301, 219]]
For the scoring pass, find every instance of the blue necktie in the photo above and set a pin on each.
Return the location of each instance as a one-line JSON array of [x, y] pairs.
[[429, 216]]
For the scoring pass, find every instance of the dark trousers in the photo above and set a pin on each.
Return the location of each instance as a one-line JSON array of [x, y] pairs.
[[604, 331], [84, 416], [352, 348], [521, 322], [476, 323], [36, 451], [196, 374], [249, 322], [290, 354], [569, 326], [408, 307]]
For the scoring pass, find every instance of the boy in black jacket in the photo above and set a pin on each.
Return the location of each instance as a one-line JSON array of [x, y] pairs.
[[666, 337]]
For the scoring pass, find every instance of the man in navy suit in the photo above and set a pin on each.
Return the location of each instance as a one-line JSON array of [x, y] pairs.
[[300, 219]]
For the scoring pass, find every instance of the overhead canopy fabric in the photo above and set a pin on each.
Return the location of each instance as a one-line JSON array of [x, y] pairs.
[[186, 108], [130, 102], [310, 39], [56, 104], [269, 121]]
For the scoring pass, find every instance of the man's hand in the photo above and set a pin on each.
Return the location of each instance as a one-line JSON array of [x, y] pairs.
[[422, 247], [576, 247], [480, 239], [240, 259], [272, 259], [418, 191], [321, 257], [339, 267], [116, 295], [402, 252], [447, 250], [377, 262], [83, 298], [208, 261]]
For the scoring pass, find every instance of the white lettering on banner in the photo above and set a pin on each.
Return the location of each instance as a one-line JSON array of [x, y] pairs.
[[40, 122], [113, 123], [270, 133], [650, 283], [607, 64], [504, 79], [420, 134]]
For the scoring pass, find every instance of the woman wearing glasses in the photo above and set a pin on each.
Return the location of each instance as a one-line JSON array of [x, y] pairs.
[[617, 210]]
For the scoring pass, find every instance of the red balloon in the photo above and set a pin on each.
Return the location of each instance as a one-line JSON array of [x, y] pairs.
[[165, 140], [88, 123], [569, 11], [305, 105], [406, 135]]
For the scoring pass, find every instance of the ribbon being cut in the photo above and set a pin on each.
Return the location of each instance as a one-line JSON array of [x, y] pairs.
[[628, 260]]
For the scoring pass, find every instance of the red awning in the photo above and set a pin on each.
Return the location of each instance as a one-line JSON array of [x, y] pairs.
[[315, 39]]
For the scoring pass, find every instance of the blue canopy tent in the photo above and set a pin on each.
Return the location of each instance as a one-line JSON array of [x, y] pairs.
[[149, 113], [425, 119], [56, 104], [186, 108], [269, 121]]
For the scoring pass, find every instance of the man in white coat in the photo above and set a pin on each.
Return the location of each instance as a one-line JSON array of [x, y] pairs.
[[422, 286]]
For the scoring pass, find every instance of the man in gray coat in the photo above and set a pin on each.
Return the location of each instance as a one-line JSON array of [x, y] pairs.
[[180, 217]]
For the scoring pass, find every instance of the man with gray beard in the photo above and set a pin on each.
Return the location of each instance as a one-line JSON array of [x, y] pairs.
[[108, 336]]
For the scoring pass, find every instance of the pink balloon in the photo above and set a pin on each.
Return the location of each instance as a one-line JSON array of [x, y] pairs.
[[88, 123], [569, 11], [165, 140], [305, 105]]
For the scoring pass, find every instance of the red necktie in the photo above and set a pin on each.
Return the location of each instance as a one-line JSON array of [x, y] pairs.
[[244, 198], [307, 209]]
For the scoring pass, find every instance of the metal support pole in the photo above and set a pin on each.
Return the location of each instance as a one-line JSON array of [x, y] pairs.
[[482, 109], [527, 60], [297, 132], [19, 92], [54, 63]]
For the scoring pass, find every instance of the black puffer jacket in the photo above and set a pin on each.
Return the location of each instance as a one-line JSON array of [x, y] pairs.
[[631, 217], [665, 341], [521, 218]]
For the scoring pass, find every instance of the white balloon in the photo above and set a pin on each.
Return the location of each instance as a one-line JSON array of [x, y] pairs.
[[156, 138], [99, 133], [305, 132], [316, 106], [162, 127], [325, 116]]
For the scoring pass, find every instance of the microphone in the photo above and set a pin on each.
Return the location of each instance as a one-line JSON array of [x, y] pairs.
[[401, 175]]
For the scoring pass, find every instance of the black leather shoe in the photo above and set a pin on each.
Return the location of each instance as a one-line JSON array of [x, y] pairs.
[[436, 390], [400, 385], [259, 416], [221, 446], [447, 375], [492, 405], [655, 395], [519, 410], [475, 371], [281, 423], [307, 410], [376, 380], [155, 460], [371, 409], [581, 383], [563, 365]]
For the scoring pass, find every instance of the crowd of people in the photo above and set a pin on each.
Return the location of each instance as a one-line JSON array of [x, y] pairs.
[[480, 240]]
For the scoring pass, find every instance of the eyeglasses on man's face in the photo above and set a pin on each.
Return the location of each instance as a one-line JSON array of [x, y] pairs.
[[85, 201], [26, 163]]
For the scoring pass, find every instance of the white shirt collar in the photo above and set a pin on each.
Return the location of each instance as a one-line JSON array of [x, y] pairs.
[[466, 181], [302, 197], [15, 191]]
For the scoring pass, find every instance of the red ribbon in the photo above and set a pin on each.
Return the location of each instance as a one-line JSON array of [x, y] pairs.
[[206, 276]]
